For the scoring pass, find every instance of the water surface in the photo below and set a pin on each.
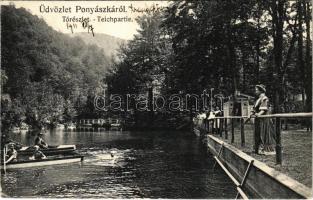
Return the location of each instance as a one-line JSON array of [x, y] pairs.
[[145, 165]]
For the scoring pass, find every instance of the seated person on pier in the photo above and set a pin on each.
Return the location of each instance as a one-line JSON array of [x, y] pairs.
[[11, 154], [38, 155], [40, 142]]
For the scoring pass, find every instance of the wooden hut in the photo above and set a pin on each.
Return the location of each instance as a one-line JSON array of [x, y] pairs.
[[242, 107]]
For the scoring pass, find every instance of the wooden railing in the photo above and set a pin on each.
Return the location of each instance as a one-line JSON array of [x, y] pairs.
[[257, 119]]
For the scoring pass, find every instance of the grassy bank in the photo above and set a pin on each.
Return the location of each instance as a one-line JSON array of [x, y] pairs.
[[297, 152]]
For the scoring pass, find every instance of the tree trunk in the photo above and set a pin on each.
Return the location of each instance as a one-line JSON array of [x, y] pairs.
[[308, 58], [277, 17], [232, 63], [300, 49], [257, 69], [244, 78]]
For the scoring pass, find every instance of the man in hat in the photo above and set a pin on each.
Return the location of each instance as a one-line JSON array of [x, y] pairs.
[[39, 141], [11, 153]]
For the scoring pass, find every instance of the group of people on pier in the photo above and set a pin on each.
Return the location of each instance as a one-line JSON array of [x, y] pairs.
[[265, 127]]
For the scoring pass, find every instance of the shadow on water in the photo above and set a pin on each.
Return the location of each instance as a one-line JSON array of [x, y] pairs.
[[123, 165]]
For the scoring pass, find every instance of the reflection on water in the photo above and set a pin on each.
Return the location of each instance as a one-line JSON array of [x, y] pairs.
[[123, 165]]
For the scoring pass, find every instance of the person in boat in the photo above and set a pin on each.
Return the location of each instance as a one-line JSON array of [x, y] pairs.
[[39, 141], [11, 154], [267, 132], [37, 155]]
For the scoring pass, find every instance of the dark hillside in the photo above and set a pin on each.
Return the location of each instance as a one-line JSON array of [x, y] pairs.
[[108, 43], [44, 72]]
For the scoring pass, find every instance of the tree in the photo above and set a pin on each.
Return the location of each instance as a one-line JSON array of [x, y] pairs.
[[308, 55], [46, 70]]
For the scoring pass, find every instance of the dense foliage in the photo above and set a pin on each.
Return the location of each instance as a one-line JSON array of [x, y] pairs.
[[46, 75], [189, 47], [226, 45]]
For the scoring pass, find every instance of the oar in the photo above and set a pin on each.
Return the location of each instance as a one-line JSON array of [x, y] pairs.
[[4, 154]]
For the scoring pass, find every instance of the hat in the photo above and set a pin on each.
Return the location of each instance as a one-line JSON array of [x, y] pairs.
[[261, 87], [11, 144]]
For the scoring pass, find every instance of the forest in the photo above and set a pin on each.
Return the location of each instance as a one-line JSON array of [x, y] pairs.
[[189, 47], [230, 46], [47, 77]]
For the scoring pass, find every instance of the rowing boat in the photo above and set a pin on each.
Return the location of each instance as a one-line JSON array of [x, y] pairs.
[[61, 149], [51, 160]]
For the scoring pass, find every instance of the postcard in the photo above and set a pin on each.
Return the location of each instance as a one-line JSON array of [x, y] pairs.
[[203, 99]]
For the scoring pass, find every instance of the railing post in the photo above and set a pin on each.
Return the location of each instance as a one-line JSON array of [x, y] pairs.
[[212, 127], [232, 131], [278, 141], [242, 132], [220, 127], [226, 132], [256, 135], [286, 124]]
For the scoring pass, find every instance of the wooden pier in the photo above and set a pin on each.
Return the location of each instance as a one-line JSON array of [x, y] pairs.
[[252, 178], [223, 127], [99, 124]]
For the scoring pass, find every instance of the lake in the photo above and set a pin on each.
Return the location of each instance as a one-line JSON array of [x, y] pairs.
[[151, 164]]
